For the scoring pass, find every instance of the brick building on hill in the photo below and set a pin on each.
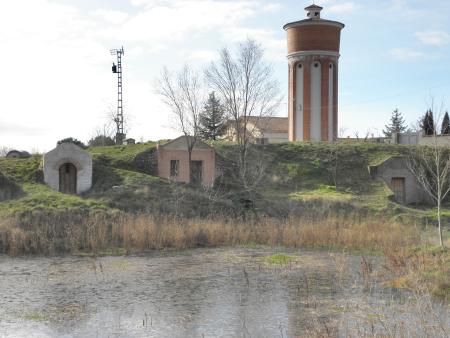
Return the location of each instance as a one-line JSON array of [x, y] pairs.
[[173, 162], [262, 130]]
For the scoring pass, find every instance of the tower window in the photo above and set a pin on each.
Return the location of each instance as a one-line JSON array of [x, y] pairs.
[[316, 65], [316, 14], [331, 66], [300, 66]]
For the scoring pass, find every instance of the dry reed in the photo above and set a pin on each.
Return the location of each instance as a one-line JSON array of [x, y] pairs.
[[139, 233]]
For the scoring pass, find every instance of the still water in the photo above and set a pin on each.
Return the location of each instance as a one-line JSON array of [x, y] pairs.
[[208, 293]]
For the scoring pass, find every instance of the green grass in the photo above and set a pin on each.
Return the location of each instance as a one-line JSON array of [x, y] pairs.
[[132, 157], [279, 259], [296, 172], [124, 152], [22, 170], [109, 252], [39, 197], [323, 191], [35, 316]]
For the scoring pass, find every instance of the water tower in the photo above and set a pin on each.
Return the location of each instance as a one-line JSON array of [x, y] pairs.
[[313, 55]]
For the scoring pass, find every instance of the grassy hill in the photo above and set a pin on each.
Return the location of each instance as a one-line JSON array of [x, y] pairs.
[[300, 178], [8, 188]]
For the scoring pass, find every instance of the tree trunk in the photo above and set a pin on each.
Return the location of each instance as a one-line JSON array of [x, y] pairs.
[[189, 163], [441, 243]]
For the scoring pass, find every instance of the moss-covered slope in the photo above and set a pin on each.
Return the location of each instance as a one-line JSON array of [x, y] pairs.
[[299, 178]]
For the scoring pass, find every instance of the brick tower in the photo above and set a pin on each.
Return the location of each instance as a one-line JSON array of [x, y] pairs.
[[313, 55]]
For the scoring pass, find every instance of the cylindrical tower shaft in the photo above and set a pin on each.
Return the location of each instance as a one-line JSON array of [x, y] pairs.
[[313, 55]]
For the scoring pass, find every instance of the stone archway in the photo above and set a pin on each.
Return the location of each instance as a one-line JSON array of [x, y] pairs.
[[68, 179]]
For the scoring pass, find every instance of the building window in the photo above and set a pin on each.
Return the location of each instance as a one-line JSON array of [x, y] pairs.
[[316, 14], [316, 65], [300, 66], [398, 187], [174, 168], [331, 66]]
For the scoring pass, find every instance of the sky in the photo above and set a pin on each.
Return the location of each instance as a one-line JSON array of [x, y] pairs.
[[56, 78]]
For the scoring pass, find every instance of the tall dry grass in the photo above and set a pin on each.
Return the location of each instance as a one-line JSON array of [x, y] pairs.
[[104, 234], [96, 233]]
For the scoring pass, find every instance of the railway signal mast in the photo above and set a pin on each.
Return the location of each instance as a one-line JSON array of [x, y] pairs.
[[118, 118]]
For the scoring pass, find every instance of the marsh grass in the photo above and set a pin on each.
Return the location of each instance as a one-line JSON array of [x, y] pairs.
[[119, 233], [279, 259], [51, 233]]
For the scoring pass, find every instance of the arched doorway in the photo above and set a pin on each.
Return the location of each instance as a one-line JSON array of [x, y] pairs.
[[68, 179]]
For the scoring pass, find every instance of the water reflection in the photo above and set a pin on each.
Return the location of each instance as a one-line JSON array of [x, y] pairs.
[[193, 293]]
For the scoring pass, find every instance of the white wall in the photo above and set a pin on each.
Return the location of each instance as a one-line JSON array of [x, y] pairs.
[[330, 101], [316, 101], [277, 137], [440, 140], [299, 103]]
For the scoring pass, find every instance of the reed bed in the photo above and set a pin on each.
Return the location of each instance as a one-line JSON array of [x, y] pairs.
[[106, 234], [139, 233]]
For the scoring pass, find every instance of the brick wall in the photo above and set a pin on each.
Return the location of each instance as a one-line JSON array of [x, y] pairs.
[[207, 156]]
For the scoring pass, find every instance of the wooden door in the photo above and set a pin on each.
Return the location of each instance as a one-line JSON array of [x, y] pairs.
[[398, 187], [68, 179], [196, 172]]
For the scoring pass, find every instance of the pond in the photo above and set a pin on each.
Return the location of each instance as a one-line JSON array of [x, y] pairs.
[[230, 292]]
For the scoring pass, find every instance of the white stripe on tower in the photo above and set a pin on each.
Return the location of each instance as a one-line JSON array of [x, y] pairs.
[[299, 103], [330, 102], [316, 102]]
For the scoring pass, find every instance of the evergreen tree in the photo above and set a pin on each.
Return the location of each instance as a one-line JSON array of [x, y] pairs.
[[445, 128], [423, 123], [427, 124], [397, 124], [212, 119]]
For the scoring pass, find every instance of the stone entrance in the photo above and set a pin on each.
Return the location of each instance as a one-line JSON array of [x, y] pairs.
[[68, 179], [68, 169]]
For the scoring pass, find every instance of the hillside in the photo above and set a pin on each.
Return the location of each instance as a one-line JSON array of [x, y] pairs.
[[8, 189], [306, 178]]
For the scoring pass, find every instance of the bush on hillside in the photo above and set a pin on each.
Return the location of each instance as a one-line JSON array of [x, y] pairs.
[[101, 141], [72, 140]]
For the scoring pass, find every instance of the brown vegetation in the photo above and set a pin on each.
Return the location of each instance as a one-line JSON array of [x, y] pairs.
[[124, 233], [97, 233]]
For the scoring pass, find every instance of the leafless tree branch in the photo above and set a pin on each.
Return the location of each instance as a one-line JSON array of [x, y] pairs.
[[249, 92], [182, 93]]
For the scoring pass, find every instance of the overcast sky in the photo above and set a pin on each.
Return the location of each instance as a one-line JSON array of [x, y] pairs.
[[56, 78]]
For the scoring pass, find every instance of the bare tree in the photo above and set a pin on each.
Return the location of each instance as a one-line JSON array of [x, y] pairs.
[[114, 119], [102, 136], [4, 151], [183, 95], [248, 92], [342, 132], [431, 166]]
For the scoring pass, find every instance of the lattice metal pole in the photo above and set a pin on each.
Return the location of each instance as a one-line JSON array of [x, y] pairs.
[[119, 119]]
